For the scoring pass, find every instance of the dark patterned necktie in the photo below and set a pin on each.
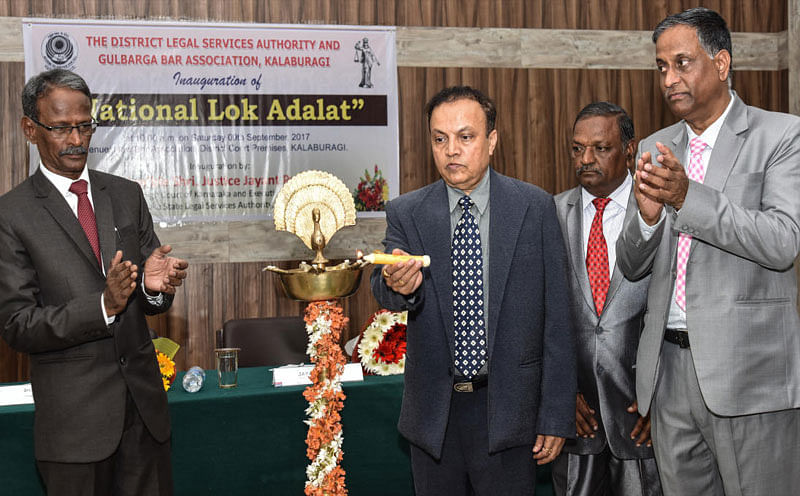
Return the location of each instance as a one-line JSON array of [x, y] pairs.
[[597, 257], [467, 260], [86, 215]]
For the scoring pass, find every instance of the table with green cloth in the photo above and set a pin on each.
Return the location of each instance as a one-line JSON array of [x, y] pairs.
[[251, 440]]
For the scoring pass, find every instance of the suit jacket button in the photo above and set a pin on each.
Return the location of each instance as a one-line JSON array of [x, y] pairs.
[[598, 330], [123, 361], [600, 369]]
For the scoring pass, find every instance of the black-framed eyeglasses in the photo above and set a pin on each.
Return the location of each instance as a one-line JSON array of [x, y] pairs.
[[85, 129]]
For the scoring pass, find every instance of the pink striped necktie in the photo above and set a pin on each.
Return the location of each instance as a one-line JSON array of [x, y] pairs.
[[86, 216], [697, 174]]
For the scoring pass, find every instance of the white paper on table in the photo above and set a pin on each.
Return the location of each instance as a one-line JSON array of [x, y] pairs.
[[16, 394], [298, 375]]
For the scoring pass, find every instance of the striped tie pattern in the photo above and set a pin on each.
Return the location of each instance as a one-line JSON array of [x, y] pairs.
[[697, 174]]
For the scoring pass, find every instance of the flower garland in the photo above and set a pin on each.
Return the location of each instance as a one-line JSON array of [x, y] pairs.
[[372, 193], [382, 347], [324, 324]]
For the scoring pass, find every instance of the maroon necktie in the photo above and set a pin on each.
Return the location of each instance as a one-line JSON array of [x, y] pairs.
[[597, 256], [86, 216]]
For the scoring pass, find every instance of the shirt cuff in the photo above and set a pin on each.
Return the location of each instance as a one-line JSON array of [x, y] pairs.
[[155, 300], [109, 320], [647, 231]]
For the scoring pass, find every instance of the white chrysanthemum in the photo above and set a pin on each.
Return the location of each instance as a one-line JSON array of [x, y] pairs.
[[371, 339]]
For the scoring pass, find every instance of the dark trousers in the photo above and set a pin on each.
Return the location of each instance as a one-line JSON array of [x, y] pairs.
[[604, 474], [466, 467], [139, 466]]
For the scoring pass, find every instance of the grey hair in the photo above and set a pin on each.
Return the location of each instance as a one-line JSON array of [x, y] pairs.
[[41, 84]]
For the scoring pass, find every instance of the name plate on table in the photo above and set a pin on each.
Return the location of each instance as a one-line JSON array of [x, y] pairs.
[[17, 394], [299, 375]]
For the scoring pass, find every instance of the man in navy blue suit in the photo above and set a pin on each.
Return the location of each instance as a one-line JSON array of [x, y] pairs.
[[490, 378]]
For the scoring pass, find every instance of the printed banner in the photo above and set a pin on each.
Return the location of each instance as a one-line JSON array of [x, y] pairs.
[[211, 119]]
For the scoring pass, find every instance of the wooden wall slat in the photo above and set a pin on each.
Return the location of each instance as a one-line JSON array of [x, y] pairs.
[[742, 15], [535, 106]]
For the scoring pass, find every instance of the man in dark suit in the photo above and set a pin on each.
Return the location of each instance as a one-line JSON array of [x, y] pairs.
[[80, 266], [490, 369], [718, 227], [612, 454]]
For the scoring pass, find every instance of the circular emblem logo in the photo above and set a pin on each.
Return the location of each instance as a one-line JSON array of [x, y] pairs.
[[59, 51]]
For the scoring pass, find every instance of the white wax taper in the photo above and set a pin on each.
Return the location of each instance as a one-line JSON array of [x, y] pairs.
[[388, 259]]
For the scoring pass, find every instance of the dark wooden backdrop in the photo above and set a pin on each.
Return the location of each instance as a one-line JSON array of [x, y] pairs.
[[535, 112]]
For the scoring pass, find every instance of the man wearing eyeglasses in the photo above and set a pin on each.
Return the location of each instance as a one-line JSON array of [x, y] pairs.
[[80, 266]]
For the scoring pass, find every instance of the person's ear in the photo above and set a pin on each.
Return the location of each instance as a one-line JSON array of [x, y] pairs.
[[29, 129], [722, 62]]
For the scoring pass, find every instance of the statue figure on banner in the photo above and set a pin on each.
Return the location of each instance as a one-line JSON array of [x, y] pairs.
[[367, 58]]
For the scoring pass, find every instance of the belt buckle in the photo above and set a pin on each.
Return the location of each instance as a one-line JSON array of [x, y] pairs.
[[463, 387]]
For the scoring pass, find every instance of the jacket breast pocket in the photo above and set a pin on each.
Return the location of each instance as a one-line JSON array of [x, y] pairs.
[[128, 241], [525, 251]]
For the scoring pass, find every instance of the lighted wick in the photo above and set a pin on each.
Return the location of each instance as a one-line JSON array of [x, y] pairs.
[[387, 259]]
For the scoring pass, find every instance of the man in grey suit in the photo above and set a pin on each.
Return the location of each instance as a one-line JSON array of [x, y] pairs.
[[612, 454], [490, 369], [80, 266], [718, 228]]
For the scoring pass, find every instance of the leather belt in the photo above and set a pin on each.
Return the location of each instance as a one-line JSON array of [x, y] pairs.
[[677, 336], [464, 385]]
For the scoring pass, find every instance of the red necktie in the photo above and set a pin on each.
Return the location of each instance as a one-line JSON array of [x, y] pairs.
[[86, 216], [597, 256]]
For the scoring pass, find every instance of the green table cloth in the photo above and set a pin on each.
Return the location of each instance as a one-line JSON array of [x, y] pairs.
[[251, 440]]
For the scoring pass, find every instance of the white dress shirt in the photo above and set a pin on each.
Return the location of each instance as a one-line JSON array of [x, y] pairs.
[[613, 218]]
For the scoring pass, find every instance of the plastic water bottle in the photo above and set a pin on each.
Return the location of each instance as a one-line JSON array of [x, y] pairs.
[[194, 379]]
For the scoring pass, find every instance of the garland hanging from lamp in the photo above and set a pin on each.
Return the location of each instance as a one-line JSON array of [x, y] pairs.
[[324, 324]]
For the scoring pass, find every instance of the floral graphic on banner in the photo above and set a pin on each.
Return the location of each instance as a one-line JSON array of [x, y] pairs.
[[372, 193]]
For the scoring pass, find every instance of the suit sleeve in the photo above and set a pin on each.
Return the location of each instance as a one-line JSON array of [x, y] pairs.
[[27, 325], [395, 238], [148, 241], [635, 254], [765, 232], [559, 363]]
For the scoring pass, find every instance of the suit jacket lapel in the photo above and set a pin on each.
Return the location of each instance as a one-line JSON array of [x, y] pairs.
[[432, 216], [726, 148], [575, 245], [58, 208], [504, 227], [104, 216], [617, 276]]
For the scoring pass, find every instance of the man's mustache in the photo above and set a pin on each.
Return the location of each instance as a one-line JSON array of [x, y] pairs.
[[73, 150], [587, 168]]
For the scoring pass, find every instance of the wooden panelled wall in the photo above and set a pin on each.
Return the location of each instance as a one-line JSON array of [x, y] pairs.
[[535, 112]]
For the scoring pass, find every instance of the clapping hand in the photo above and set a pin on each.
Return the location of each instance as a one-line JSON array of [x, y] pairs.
[[162, 273]]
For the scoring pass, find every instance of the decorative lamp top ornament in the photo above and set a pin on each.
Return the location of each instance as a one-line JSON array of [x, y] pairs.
[[314, 203]]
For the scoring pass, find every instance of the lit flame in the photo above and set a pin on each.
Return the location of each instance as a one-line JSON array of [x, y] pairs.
[[359, 254]]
